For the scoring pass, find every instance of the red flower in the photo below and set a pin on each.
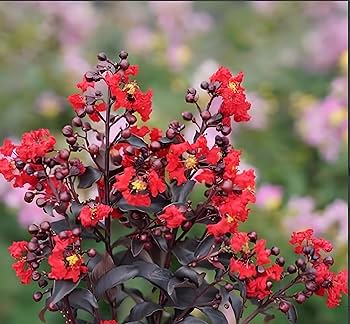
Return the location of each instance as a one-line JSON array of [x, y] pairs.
[[225, 225], [172, 216], [23, 271], [184, 157], [77, 101], [90, 216], [99, 107], [274, 272], [108, 322], [234, 101], [238, 241], [35, 144], [84, 85], [66, 260], [135, 189], [257, 287], [18, 250], [140, 132], [155, 134], [206, 176], [339, 287], [262, 256], [231, 162], [244, 269], [304, 238], [7, 147]]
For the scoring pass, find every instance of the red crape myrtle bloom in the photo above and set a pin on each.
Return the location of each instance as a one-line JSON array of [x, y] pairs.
[[66, 260], [136, 189], [234, 101], [128, 94], [331, 284], [91, 215], [108, 322], [233, 206], [19, 250], [185, 157], [172, 216]]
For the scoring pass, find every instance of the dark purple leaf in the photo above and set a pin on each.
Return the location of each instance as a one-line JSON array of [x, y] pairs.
[[189, 273], [75, 208], [48, 209], [183, 251], [61, 288], [215, 316], [141, 311], [136, 141], [89, 177], [136, 246], [115, 277], [292, 314], [204, 247], [192, 320], [83, 299], [156, 206], [237, 305], [180, 193]]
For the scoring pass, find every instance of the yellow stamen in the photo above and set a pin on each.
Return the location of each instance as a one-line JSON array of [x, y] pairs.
[[230, 219], [93, 212], [245, 248], [338, 116], [233, 86], [130, 88], [191, 162], [72, 259], [138, 185]]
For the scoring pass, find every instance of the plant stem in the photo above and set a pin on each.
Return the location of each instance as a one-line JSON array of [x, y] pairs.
[[106, 176], [70, 316], [262, 307]]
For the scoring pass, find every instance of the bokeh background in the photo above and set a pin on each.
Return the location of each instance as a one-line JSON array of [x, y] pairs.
[[295, 58]]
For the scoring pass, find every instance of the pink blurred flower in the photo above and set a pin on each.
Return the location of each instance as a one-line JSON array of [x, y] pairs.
[[301, 214], [269, 196], [26, 213]]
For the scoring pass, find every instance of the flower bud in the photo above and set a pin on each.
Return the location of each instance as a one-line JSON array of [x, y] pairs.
[[226, 130], [155, 146], [45, 226], [311, 285], [170, 133], [283, 306], [300, 298], [280, 261], [252, 236], [123, 55], [33, 229], [204, 85], [76, 231], [42, 283], [291, 269], [131, 119], [67, 130], [205, 115], [91, 253], [65, 196], [275, 251], [300, 263], [187, 115], [125, 133], [328, 260], [124, 64], [93, 149], [29, 196], [102, 56], [37, 296], [36, 275]]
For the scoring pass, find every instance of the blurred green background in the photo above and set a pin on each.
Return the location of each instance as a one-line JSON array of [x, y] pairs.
[[294, 55]]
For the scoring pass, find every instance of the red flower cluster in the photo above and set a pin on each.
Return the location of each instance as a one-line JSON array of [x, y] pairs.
[[91, 215], [128, 94], [108, 322], [136, 189], [239, 188], [172, 216], [66, 260], [185, 157], [234, 101], [35, 144], [19, 250], [331, 284]]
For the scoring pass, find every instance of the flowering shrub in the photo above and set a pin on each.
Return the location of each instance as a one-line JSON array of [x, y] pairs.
[[143, 180]]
